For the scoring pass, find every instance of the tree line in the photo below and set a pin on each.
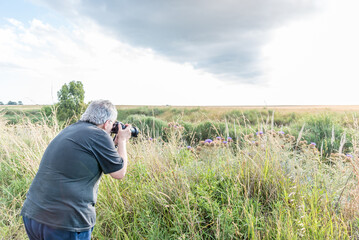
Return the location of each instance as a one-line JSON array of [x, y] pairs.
[[12, 103]]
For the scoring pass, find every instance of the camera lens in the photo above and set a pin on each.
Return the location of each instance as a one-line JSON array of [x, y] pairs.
[[134, 131]]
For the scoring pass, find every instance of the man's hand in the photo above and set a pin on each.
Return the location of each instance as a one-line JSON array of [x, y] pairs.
[[123, 135]]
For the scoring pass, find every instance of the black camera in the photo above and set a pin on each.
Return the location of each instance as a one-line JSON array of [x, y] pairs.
[[134, 131]]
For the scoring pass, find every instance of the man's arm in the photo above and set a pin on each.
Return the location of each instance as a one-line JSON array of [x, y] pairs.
[[121, 140]]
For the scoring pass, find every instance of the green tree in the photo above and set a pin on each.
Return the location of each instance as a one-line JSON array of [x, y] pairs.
[[1, 103], [71, 101], [11, 103], [20, 103]]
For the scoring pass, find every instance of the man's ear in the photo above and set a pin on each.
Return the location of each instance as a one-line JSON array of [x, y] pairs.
[[107, 123], [104, 125]]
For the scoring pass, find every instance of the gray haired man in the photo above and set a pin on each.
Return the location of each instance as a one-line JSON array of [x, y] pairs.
[[60, 203]]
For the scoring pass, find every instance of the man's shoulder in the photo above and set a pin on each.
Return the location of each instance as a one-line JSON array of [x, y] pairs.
[[81, 131], [83, 126]]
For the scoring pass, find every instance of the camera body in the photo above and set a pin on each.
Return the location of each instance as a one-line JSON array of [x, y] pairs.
[[134, 131]]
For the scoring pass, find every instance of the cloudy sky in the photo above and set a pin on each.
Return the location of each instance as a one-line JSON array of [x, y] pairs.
[[182, 52]]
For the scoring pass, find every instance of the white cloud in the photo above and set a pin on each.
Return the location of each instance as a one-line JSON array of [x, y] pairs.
[[38, 59]]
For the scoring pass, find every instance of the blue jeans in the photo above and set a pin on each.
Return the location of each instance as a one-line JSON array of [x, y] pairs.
[[39, 231]]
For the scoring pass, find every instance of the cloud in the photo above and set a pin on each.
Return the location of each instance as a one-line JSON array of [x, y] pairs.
[[221, 37], [38, 58]]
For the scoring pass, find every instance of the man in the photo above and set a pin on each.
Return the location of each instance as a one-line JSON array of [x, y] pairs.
[[60, 203]]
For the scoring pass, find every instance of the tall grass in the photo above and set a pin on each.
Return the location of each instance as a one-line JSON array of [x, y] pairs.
[[21, 148], [267, 187]]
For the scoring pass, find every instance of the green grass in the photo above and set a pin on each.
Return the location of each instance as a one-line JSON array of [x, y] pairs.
[[256, 187]]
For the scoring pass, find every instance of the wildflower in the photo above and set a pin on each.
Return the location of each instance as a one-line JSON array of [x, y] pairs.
[[208, 141], [281, 132], [150, 139], [189, 147], [218, 138], [225, 142], [259, 133], [229, 139], [348, 157], [313, 144]]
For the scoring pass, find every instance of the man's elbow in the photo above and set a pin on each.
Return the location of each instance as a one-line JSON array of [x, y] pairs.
[[118, 175]]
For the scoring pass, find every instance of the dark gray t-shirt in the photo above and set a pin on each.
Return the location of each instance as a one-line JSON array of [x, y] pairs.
[[64, 191]]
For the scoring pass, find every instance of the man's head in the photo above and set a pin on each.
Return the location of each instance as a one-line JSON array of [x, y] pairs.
[[100, 112]]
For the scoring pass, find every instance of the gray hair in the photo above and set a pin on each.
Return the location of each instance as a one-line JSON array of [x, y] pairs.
[[99, 111]]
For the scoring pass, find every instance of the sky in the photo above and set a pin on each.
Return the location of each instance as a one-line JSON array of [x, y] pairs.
[[182, 52]]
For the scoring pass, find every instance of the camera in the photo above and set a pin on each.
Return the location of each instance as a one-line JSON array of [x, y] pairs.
[[134, 131]]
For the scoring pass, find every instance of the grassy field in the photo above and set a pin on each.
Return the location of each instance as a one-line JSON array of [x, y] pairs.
[[280, 108], [208, 173]]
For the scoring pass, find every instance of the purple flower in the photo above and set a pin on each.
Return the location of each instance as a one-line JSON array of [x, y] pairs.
[[208, 141], [218, 138], [225, 142], [259, 133], [281, 132], [150, 139], [189, 147], [229, 138], [313, 144], [349, 155]]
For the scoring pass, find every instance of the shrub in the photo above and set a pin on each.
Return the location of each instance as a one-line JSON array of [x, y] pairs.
[[149, 126], [123, 114], [252, 117], [325, 131]]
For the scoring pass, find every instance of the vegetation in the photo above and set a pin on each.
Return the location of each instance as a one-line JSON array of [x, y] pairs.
[[14, 115], [232, 178], [12, 103]]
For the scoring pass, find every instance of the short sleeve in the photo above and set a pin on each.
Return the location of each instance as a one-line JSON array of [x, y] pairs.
[[105, 153]]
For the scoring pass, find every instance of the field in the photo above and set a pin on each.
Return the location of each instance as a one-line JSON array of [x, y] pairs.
[[274, 172]]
